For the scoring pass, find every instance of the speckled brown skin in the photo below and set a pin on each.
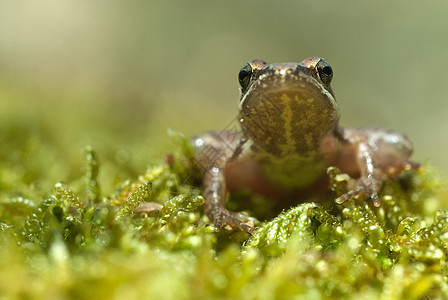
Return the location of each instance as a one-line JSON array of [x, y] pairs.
[[290, 135]]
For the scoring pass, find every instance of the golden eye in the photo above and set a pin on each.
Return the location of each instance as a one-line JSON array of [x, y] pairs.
[[245, 75], [324, 71]]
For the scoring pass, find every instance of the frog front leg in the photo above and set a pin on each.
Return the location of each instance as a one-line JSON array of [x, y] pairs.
[[215, 194], [371, 177], [213, 151], [378, 153]]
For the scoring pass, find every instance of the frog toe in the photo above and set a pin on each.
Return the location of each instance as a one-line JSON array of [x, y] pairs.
[[234, 220], [361, 189], [404, 166], [349, 195]]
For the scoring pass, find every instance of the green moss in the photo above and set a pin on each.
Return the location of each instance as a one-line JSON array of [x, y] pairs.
[[76, 240]]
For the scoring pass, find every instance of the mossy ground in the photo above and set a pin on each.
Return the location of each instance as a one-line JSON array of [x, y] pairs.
[[79, 239]]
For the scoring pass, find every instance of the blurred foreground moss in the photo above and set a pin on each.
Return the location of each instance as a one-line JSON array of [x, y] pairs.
[[150, 239]]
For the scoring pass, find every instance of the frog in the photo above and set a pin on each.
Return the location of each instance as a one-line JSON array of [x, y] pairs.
[[289, 136]]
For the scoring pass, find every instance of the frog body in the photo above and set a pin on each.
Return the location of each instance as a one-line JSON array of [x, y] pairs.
[[289, 137]]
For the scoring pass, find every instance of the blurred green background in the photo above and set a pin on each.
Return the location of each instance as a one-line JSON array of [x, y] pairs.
[[117, 74]]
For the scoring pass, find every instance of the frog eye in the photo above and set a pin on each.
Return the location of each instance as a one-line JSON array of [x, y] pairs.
[[324, 71], [244, 76]]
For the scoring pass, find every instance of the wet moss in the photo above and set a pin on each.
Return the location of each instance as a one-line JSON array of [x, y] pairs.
[[75, 240]]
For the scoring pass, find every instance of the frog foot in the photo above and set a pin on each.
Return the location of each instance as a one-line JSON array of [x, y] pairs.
[[365, 186], [236, 220], [404, 166]]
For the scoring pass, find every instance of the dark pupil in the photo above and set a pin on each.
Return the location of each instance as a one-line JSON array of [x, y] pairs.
[[327, 70], [244, 77]]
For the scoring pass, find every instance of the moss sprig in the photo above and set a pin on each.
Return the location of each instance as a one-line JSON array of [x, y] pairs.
[[136, 198], [91, 174], [301, 222]]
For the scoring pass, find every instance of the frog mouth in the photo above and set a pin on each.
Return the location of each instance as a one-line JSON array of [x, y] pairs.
[[289, 111]]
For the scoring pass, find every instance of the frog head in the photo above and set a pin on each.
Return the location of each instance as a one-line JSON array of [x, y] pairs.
[[287, 108]]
